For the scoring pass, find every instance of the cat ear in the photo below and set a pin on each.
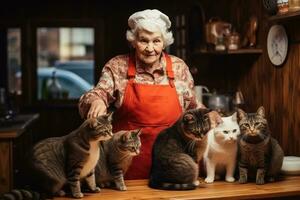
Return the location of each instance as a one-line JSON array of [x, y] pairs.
[[138, 132], [125, 136], [109, 116], [241, 114], [234, 117], [261, 111], [187, 117]]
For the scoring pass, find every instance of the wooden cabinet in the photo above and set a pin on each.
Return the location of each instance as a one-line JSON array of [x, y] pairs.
[[15, 141]]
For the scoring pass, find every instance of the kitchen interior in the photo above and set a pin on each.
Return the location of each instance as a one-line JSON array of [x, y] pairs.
[[229, 46]]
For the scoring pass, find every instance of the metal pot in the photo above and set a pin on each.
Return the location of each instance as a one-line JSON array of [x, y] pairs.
[[220, 102]]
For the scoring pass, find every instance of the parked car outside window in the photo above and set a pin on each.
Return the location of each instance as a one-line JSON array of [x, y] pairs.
[[72, 84], [83, 68]]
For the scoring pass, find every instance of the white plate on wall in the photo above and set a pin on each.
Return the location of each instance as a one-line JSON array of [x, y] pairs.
[[291, 165]]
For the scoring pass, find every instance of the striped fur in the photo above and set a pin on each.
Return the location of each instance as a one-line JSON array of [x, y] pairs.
[[260, 155], [177, 151], [115, 158], [61, 161], [20, 194]]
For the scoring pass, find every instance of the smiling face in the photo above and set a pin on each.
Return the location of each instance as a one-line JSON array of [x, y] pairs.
[[149, 47]]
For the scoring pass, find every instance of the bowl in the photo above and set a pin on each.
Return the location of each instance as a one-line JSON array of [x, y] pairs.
[[291, 165]]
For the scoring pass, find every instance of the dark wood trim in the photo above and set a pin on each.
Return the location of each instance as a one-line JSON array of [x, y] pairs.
[[3, 58], [285, 16], [238, 51]]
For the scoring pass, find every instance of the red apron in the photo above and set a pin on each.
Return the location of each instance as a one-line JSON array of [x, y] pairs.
[[150, 107]]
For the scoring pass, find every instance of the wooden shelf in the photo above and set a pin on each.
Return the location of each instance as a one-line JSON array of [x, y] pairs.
[[227, 52], [286, 16]]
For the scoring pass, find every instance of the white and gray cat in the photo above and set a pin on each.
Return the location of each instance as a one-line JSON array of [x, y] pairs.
[[221, 152], [115, 158], [60, 161]]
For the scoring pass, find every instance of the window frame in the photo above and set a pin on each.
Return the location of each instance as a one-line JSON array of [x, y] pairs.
[[32, 64]]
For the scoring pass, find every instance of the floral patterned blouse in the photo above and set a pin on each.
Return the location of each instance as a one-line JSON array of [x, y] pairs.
[[113, 81]]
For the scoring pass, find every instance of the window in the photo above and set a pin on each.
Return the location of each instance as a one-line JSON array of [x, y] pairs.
[[65, 62], [14, 60]]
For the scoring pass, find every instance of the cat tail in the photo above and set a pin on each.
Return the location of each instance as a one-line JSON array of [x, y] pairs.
[[172, 186], [21, 194]]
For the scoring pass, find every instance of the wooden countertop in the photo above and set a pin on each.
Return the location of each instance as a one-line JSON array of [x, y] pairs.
[[138, 189], [15, 127]]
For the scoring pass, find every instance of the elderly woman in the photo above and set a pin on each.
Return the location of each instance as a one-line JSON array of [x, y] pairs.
[[149, 88]]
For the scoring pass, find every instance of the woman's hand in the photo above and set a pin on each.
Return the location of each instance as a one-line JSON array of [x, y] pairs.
[[214, 118], [97, 108]]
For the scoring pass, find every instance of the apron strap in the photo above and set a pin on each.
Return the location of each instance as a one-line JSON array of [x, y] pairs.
[[131, 68], [169, 70], [132, 71]]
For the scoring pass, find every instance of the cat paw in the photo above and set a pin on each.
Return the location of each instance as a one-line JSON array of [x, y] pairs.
[[78, 195], [196, 183], [230, 179], [242, 180], [260, 181], [61, 193], [122, 188], [96, 190], [209, 180]]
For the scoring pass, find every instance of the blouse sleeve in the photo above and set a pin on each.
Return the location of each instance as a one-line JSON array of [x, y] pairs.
[[104, 90], [189, 96]]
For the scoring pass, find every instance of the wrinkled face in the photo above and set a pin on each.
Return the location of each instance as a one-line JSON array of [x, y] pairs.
[[196, 124], [149, 47]]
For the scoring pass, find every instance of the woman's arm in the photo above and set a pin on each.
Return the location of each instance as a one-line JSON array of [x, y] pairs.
[[96, 101]]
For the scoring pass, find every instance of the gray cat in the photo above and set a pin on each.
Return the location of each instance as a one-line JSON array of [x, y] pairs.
[[177, 151], [260, 155], [115, 158], [61, 161]]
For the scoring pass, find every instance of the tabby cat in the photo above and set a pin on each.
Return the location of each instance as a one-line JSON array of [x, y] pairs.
[[115, 158], [65, 160], [260, 155], [220, 155], [177, 151], [21, 194]]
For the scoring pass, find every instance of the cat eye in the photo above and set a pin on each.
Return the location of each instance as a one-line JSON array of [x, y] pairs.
[[246, 125], [226, 132], [256, 124], [234, 130]]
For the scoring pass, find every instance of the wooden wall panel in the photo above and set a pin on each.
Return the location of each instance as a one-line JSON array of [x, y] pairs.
[[276, 88]]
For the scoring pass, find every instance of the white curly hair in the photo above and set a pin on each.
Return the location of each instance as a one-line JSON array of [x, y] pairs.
[[152, 21]]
